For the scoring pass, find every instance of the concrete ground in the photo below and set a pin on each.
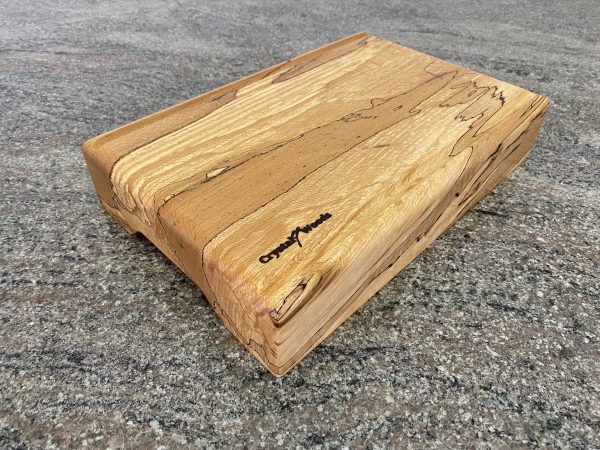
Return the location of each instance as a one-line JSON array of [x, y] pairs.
[[490, 338]]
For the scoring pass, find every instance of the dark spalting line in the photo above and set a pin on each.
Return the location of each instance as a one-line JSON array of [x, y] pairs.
[[476, 186], [300, 301], [482, 117], [319, 60], [501, 149], [454, 100], [207, 108], [468, 92], [321, 145], [369, 113], [515, 143], [388, 263], [325, 54], [328, 134], [502, 145], [308, 288], [464, 96], [328, 143], [430, 220], [540, 99], [397, 254], [278, 313]]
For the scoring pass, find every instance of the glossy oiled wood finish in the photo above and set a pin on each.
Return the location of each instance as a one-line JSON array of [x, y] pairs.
[[291, 196]]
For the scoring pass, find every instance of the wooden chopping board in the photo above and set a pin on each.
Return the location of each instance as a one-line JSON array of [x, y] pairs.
[[291, 196]]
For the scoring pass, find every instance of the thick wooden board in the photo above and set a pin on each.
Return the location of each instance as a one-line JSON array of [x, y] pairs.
[[291, 196]]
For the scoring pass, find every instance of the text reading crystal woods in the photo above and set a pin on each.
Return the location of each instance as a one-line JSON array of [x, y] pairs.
[[293, 238]]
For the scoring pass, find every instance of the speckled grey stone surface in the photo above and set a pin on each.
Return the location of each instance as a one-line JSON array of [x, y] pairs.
[[490, 338]]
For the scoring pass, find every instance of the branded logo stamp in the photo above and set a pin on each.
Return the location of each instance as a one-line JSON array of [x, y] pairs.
[[293, 238]]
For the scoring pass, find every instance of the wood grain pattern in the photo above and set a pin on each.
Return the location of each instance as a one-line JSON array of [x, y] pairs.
[[291, 196]]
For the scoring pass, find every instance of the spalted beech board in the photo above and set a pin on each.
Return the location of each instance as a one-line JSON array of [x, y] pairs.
[[291, 196]]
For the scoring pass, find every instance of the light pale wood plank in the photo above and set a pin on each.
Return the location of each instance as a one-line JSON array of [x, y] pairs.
[[292, 195]]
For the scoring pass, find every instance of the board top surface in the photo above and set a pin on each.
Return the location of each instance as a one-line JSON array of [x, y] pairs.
[[286, 196]]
